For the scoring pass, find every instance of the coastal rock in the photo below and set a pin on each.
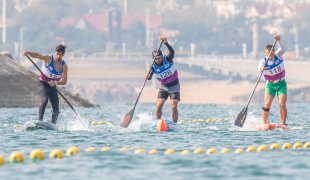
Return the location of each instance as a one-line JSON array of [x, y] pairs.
[[19, 87]]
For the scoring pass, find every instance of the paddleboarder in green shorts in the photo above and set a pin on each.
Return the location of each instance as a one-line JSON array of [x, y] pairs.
[[274, 72], [167, 75]]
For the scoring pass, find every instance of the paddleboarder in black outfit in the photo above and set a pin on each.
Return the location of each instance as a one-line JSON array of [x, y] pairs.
[[56, 70]]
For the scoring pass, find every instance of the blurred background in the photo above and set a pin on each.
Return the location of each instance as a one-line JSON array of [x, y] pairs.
[[210, 27], [109, 42]]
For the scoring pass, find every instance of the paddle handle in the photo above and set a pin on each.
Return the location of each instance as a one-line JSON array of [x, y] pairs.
[[260, 74]]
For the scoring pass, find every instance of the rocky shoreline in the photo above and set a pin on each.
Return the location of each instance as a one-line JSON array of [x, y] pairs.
[[19, 87]]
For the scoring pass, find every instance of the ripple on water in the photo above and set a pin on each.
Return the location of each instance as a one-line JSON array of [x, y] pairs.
[[113, 164]]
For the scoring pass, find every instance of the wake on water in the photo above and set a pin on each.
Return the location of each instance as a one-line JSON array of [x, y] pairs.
[[252, 122], [142, 122], [75, 125]]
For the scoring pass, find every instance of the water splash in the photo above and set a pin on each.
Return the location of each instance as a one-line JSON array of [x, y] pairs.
[[252, 122], [75, 125], [214, 128], [142, 123]]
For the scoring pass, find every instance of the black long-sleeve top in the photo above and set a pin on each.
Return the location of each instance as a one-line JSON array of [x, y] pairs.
[[169, 58]]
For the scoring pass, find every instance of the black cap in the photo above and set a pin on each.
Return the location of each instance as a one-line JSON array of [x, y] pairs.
[[157, 54]]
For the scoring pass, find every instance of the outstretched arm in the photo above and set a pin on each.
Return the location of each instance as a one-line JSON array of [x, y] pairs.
[[45, 57], [281, 50], [170, 56]]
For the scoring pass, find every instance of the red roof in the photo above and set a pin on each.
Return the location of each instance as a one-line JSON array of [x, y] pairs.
[[301, 8], [263, 9], [100, 21], [9, 22], [67, 22], [97, 21]]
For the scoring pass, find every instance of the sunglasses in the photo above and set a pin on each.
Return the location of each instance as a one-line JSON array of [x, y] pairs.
[[158, 57]]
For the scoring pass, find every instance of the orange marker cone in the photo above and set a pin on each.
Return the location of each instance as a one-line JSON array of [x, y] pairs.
[[161, 125]]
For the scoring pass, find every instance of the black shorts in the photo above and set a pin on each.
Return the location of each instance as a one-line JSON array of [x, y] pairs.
[[172, 91]]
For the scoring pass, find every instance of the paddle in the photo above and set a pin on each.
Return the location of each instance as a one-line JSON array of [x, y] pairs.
[[128, 116], [242, 115], [57, 90]]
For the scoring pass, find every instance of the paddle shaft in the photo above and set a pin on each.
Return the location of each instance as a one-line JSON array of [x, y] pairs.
[[260, 74], [128, 116], [149, 73], [56, 89]]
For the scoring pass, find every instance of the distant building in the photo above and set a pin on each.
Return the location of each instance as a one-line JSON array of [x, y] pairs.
[[169, 33], [99, 22], [225, 8], [265, 10]]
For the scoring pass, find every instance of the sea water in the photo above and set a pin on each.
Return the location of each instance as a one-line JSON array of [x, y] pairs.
[[205, 126]]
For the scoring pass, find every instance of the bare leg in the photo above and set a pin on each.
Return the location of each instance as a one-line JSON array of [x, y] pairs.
[[283, 111], [174, 107], [267, 104], [159, 106]]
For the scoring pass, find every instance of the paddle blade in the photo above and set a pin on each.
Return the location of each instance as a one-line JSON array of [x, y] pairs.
[[241, 117], [127, 118]]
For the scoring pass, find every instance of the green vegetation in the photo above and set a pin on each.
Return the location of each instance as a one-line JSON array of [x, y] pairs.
[[199, 25]]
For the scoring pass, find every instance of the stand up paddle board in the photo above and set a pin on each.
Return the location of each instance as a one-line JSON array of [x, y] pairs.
[[163, 125], [36, 124], [272, 126]]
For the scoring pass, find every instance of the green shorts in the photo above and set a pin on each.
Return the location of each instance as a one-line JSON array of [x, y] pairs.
[[273, 88]]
